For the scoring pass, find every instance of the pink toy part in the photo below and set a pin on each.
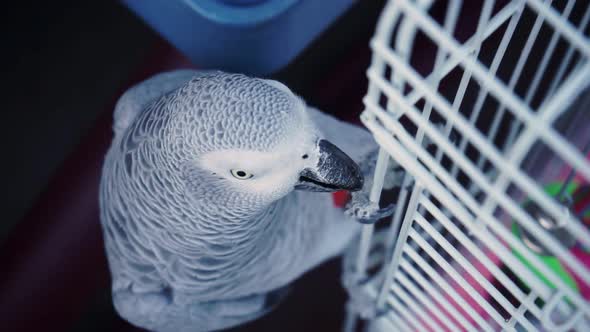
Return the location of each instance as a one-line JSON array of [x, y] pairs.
[[473, 303], [565, 170], [583, 257]]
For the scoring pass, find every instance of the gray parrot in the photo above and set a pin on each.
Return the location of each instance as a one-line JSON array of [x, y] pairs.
[[214, 197]]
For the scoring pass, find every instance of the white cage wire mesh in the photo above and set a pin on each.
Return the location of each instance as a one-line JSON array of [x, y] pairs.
[[491, 227]]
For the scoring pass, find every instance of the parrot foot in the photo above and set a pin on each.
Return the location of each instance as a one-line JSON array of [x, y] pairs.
[[365, 211], [142, 308], [248, 306], [360, 299]]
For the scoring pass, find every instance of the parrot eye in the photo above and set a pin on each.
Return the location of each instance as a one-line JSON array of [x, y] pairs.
[[241, 175]]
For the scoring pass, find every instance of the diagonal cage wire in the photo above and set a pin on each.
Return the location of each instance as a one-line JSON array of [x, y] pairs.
[[503, 104]]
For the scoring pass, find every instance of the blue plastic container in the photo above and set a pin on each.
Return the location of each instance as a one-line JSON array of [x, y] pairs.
[[251, 36]]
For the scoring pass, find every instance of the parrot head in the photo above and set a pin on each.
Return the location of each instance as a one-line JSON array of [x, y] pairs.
[[241, 140]]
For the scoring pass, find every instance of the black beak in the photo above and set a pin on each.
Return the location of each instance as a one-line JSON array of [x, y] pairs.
[[334, 171]]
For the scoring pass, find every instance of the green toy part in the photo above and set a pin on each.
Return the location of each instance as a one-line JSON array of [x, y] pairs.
[[551, 262]]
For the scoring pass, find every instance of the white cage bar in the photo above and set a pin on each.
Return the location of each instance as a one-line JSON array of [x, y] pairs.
[[506, 105]]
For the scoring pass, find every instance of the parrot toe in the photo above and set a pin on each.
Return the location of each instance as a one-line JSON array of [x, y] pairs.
[[365, 211]]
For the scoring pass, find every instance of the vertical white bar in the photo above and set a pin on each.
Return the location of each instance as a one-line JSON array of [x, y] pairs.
[[397, 216], [457, 277], [506, 165], [520, 109], [466, 77], [444, 286], [350, 319], [470, 269], [547, 53], [410, 318], [482, 258], [454, 59], [419, 312], [429, 286], [567, 58], [426, 301], [493, 69], [401, 242], [565, 27], [422, 175], [367, 231]]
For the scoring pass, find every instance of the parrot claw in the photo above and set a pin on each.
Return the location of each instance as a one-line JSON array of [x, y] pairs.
[[365, 211]]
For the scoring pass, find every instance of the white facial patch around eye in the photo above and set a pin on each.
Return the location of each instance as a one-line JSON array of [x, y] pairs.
[[247, 165]]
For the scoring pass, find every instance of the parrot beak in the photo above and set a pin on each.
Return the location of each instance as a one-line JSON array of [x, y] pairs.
[[334, 171]]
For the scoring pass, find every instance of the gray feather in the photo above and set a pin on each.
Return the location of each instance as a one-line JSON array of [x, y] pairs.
[[190, 248]]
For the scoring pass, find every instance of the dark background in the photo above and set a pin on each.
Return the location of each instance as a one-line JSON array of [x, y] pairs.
[[64, 62], [64, 65]]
